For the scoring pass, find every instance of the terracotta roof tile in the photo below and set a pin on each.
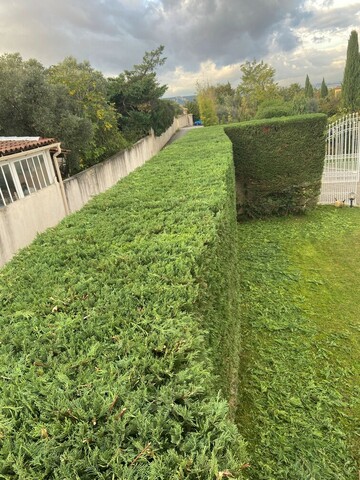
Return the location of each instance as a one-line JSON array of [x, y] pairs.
[[9, 147]]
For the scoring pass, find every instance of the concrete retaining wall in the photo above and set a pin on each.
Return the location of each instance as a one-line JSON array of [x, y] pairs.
[[22, 220], [81, 187]]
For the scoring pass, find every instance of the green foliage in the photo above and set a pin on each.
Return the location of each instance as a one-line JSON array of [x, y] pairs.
[[257, 85], [207, 104], [223, 90], [87, 88], [217, 104], [207, 110], [299, 396], [351, 81], [274, 108], [278, 164], [136, 95], [289, 93], [118, 329], [309, 90], [27, 101], [304, 105], [193, 108], [324, 91], [76, 132], [67, 102], [162, 115], [331, 104], [227, 103]]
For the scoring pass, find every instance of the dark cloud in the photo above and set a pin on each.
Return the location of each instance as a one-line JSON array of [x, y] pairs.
[[227, 31], [287, 40], [114, 34], [332, 19]]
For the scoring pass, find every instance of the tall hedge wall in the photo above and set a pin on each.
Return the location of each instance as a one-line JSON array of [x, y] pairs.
[[278, 164], [117, 333]]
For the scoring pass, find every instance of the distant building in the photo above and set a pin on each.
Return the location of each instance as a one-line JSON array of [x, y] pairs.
[[337, 91]]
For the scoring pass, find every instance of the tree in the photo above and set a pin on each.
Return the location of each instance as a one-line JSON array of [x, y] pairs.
[[75, 133], [223, 91], [193, 108], [330, 105], [32, 106], [303, 105], [227, 102], [207, 104], [27, 101], [257, 84], [137, 94], [351, 80], [324, 91], [88, 90], [290, 92], [309, 90], [162, 115]]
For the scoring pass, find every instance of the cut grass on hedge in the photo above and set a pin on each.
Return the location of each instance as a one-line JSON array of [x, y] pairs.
[[299, 402], [112, 322]]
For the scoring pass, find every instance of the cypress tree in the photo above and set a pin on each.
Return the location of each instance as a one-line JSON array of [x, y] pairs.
[[351, 81], [309, 91], [324, 91]]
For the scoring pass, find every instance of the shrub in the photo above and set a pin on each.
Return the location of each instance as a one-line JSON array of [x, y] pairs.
[[162, 115], [116, 330], [278, 164], [274, 108]]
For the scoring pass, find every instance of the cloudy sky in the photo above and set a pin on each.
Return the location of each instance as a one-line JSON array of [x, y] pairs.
[[205, 40]]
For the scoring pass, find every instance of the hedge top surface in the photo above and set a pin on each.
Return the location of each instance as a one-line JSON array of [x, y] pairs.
[[105, 369], [277, 121]]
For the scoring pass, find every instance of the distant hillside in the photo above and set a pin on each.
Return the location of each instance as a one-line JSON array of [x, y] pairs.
[[329, 85], [181, 100]]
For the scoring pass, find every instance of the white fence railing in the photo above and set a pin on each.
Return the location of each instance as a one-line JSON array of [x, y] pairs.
[[342, 160]]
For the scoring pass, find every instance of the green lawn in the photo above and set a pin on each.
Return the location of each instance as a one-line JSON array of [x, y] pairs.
[[299, 394]]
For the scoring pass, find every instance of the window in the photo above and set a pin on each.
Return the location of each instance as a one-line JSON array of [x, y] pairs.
[[7, 186], [21, 178]]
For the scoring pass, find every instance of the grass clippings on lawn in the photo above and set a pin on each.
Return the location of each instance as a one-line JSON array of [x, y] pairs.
[[299, 393]]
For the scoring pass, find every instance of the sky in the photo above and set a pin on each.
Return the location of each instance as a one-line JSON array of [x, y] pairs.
[[205, 40]]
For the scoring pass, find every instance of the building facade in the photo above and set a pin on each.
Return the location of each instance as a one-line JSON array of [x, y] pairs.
[[25, 167]]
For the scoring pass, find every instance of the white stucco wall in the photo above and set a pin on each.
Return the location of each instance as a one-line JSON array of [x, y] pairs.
[[22, 220]]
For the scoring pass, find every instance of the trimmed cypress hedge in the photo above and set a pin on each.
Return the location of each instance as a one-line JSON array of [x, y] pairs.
[[278, 164], [117, 330]]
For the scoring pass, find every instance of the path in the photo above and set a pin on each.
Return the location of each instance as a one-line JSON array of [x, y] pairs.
[[180, 133]]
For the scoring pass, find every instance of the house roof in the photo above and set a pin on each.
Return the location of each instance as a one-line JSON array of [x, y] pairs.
[[11, 145]]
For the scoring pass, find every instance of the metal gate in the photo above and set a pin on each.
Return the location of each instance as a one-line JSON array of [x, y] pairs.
[[341, 169]]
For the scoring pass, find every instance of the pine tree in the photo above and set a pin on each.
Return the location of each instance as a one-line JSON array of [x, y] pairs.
[[309, 91], [351, 81], [324, 91]]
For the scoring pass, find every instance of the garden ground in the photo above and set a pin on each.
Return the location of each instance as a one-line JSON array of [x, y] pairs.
[[300, 388]]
